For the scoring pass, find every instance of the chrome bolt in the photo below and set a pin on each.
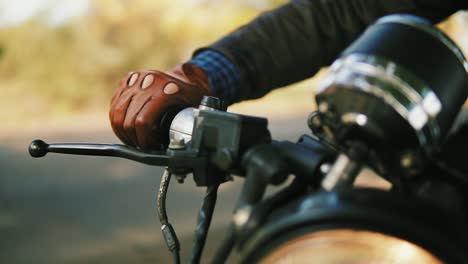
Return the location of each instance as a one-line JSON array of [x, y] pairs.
[[325, 168], [323, 107], [241, 216], [314, 121], [406, 161], [177, 143], [180, 178], [411, 163]]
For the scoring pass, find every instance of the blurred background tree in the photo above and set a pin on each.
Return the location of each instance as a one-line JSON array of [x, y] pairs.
[[73, 65], [53, 66]]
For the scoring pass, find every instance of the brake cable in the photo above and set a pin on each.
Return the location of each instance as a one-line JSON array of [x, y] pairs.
[[203, 223], [168, 231]]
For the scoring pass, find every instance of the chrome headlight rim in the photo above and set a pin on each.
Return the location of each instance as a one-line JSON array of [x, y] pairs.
[[394, 85]]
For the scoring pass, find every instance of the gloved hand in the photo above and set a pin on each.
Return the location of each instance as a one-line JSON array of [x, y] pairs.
[[142, 99]]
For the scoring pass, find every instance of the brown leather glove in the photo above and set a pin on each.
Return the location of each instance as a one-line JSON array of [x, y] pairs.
[[142, 99]]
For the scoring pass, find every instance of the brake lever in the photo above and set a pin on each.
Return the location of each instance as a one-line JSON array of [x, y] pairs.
[[39, 148]]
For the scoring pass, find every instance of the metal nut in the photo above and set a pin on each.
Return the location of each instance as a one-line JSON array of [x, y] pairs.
[[241, 216]]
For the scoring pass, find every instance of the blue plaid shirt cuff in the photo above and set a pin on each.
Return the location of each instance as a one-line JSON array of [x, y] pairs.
[[223, 77]]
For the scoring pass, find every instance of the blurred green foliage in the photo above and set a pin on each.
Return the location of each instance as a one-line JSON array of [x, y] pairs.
[[75, 66]]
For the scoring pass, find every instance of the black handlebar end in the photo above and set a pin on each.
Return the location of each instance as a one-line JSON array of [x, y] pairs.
[[38, 148]]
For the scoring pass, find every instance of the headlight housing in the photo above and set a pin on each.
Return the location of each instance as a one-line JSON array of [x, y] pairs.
[[397, 88], [360, 225]]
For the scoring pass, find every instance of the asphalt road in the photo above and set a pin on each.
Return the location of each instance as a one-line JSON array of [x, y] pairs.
[[74, 209]]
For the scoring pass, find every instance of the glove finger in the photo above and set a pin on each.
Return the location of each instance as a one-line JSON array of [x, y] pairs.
[[117, 131], [122, 137], [119, 93], [147, 122], [146, 87], [135, 106], [147, 125], [124, 84], [118, 117]]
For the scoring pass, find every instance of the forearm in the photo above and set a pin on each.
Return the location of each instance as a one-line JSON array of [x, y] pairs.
[[293, 42]]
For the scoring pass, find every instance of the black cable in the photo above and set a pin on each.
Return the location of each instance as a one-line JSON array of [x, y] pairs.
[[203, 223], [252, 191], [226, 246], [175, 257], [295, 189], [168, 231]]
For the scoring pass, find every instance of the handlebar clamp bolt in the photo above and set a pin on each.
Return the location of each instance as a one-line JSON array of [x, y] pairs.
[[242, 216], [177, 143], [211, 103], [411, 163], [314, 122], [323, 107], [325, 168], [180, 178], [224, 159]]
